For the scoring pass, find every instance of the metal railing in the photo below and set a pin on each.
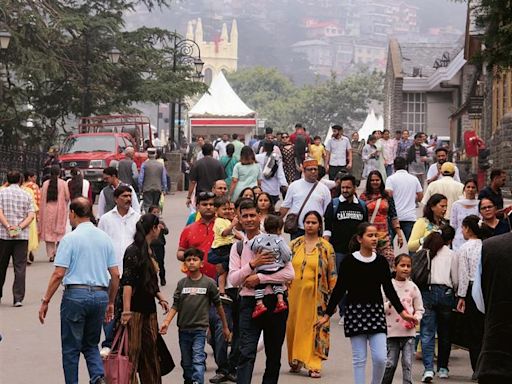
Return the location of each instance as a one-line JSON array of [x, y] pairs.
[[21, 159]]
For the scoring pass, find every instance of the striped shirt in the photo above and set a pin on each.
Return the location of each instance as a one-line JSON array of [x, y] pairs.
[[15, 204]]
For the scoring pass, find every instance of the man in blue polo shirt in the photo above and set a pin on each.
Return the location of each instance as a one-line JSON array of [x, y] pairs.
[[84, 268]]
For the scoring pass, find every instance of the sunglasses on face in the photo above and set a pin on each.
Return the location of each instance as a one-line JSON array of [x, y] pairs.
[[206, 194]]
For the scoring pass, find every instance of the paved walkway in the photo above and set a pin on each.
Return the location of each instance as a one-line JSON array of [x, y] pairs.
[[30, 352]]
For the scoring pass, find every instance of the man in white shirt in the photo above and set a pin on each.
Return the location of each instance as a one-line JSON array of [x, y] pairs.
[[406, 191], [434, 171], [446, 186], [120, 225], [299, 190], [221, 145], [339, 153]]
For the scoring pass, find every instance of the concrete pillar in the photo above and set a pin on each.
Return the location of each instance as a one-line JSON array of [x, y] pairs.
[[173, 166]]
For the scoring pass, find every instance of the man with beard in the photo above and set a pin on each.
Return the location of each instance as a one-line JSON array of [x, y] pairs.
[[434, 171]]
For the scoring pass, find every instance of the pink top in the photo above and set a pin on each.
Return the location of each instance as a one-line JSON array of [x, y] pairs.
[[239, 270], [410, 296]]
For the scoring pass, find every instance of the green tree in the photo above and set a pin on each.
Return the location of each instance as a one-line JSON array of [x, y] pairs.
[[275, 98], [57, 67]]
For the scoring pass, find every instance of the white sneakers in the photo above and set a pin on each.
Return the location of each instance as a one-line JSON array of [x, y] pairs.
[[427, 377], [104, 352]]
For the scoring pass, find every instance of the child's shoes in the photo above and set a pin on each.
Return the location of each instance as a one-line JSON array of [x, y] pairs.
[[280, 307], [259, 310]]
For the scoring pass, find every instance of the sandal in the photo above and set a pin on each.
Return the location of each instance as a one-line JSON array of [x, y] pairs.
[[315, 374], [295, 367]]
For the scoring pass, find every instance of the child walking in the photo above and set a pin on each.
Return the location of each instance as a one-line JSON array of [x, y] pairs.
[[225, 232], [361, 276], [192, 300], [271, 242], [158, 246], [401, 333]]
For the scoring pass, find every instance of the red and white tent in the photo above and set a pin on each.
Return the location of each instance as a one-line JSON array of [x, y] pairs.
[[220, 111]]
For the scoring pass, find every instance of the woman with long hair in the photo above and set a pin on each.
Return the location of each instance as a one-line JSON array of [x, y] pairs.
[[265, 207], [245, 174], [139, 288], [489, 211], [31, 187], [314, 263], [78, 186], [381, 210], [53, 212], [467, 205], [371, 156], [438, 300], [432, 220], [469, 255], [290, 166], [228, 161]]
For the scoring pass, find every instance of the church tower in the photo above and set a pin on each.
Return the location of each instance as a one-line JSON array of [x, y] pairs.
[[221, 54]]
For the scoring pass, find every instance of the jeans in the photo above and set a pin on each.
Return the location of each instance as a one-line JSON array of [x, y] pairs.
[[377, 343], [300, 232], [218, 343], [395, 345], [438, 302], [389, 169], [81, 315], [193, 356], [339, 258], [273, 326], [18, 250], [406, 227]]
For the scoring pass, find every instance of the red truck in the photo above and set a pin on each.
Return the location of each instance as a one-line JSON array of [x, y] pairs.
[[102, 139]]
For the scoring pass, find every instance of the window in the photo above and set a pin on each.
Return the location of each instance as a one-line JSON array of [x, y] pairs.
[[414, 112]]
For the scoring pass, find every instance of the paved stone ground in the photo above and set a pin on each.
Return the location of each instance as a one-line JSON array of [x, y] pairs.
[[30, 352]]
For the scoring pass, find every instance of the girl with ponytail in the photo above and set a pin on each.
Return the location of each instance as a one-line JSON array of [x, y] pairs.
[[78, 186], [469, 254], [139, 285]]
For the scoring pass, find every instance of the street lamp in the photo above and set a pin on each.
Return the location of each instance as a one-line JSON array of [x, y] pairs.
[[114, 54], [183, 53], [5, 39]]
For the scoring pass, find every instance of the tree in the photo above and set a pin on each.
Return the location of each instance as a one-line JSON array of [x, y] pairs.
[[275, 98], [57, 65]]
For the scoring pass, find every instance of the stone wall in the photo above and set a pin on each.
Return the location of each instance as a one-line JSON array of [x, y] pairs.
[[501, 149], [393, 94]]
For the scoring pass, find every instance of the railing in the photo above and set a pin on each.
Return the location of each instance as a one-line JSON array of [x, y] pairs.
[[20, 159]]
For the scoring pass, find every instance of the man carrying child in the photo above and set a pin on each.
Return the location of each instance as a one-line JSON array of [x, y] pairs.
[[242, 274]]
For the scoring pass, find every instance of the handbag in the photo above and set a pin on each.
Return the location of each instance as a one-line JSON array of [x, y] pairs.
[[164, 356], [291, 223], [117, 365]]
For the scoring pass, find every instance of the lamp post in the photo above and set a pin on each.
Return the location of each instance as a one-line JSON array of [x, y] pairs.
[[5, 39], [183, 53]]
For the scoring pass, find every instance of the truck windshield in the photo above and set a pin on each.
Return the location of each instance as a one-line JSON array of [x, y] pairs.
[[78, 144]]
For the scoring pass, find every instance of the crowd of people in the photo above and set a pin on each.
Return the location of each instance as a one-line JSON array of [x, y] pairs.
[[246, 287]]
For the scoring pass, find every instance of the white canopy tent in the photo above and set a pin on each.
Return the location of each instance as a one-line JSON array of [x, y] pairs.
[[220, 111], [372, 123]]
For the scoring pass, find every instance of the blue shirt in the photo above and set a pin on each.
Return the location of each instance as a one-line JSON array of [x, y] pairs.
[[87, 253]]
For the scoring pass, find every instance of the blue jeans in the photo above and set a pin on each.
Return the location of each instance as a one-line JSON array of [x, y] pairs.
[[395, 346], [389, 169], [339, 258], [193, 356], [377, 343], [438, 303], [81, 315], [225, 364]]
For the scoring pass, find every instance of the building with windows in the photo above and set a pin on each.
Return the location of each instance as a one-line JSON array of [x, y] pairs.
[[422, 86]]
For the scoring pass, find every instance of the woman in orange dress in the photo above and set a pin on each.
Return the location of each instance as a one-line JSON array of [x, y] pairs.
[[381, 212]]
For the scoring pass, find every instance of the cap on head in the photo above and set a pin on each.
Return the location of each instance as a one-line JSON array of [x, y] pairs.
[[310, 163], [448, 168], [152, 152]]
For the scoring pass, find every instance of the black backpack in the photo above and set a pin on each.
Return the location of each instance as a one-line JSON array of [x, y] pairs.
[[301, 147], [421, 268]]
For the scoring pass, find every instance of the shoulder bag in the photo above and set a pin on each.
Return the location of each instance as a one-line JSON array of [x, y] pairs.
[[291, 223]]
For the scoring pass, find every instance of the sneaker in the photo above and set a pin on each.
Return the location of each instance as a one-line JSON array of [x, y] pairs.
[[18, 304], [219, 378], [443, 373], [225, 299], [427, 377], [104, 352]]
